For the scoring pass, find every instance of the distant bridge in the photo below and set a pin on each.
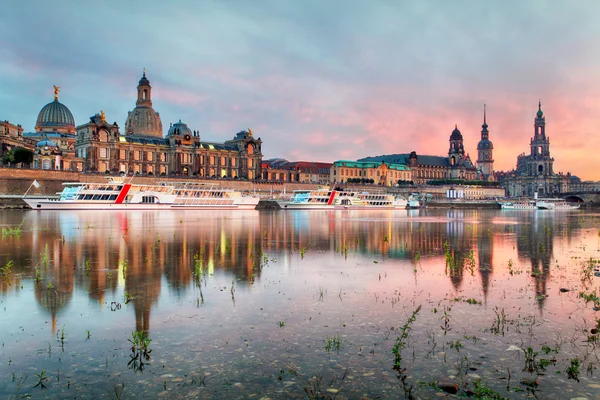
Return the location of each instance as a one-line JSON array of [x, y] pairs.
[[591, 198]]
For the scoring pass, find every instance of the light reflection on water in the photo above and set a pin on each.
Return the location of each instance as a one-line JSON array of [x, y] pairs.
[[274, 286]]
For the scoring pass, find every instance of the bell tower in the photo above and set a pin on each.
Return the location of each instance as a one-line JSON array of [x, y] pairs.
[[485, 160], [144, 92]]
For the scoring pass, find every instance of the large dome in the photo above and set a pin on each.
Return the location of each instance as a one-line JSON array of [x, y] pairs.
[[55, 116], [143, 121]]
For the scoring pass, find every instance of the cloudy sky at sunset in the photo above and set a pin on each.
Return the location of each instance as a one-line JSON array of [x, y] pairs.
[[320, 80]]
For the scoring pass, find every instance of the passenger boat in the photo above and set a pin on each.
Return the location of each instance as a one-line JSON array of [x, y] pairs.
[[413, 201], [115, 194], [518, 205], [555, 204], [341, 199]]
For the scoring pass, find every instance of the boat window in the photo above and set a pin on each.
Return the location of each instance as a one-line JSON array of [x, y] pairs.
[[105, 197]]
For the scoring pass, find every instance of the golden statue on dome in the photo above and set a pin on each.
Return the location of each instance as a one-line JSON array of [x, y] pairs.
[[249, 131], [102, 116], [56, 90]]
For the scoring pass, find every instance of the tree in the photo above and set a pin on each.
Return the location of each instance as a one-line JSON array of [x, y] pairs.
[[23, 155], [8, 157]]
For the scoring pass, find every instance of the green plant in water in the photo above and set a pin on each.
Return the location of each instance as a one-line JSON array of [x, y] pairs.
[[333, 343], [49, 285], [498, 326], [6, 271], [124, 265], [38, 276], [446, 321], [11, 231], [417, 256], [281, 324], [140, 350], [89, 334], [45, 256], [88, 265], [42, 378], [302, 252], [402, 340], [483, 392], [573, 369]]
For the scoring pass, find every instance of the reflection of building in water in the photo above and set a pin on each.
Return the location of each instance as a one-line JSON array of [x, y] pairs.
[[535, 242], [132, 250], [484, 258]]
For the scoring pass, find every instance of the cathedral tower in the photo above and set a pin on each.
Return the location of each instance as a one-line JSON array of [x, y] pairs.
[[540, 162], [456, 154], [485, 160]]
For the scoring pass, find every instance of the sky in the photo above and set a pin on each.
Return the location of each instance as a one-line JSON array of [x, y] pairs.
[[320, 80]]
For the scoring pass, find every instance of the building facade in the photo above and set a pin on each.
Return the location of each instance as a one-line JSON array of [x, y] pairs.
[[100, 147], [535, 171], [280, 170], [425, 168], [377, 172]]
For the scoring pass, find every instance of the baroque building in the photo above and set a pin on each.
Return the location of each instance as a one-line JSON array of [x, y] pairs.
[[142, 149], [425, 168], [100, 147], [378, 172], [535, 171]]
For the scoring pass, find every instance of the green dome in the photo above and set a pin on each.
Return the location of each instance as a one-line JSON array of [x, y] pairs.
[[540, 113]]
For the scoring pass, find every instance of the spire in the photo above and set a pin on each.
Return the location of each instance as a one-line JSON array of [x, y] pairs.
[[144, 72], [485, 125], [540, 113]]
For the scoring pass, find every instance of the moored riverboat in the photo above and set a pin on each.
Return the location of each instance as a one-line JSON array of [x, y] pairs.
[[323, 199], [115, 194]]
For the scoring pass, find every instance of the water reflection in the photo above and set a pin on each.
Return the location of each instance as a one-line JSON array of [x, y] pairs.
[[97, 253], [178, 275]]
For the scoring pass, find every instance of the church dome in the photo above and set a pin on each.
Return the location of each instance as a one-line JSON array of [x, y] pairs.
[[179, 128], [485, 144], [143, 121], [55, 116], [540, 113], [456, 135]]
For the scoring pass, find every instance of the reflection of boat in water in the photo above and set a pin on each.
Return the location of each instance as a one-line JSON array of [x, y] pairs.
[[555, 204], [117, 195], [341, 199]]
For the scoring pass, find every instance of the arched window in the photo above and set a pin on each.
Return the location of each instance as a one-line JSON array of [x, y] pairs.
[[145, 94], [452, 161], [540, 168]]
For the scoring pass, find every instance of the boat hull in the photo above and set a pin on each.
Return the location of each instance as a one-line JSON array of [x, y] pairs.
[[48, 204]]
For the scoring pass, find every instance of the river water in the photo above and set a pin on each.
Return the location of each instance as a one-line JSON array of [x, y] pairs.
[[299, 304]]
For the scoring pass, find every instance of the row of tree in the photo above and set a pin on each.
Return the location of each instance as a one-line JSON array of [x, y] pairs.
[[17, 155]]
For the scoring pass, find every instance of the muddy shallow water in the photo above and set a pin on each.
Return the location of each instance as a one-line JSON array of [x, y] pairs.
[[300, 304]]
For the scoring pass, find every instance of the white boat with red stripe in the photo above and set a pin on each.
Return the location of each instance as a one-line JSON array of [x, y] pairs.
[[115, 194]]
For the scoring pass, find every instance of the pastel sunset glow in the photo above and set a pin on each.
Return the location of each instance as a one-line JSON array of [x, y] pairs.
[[320, 80]]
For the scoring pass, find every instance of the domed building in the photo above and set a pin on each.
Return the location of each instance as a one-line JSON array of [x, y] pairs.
[[142, 149], [143, 120], [53, 142], [55, 117], [485, 160]]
